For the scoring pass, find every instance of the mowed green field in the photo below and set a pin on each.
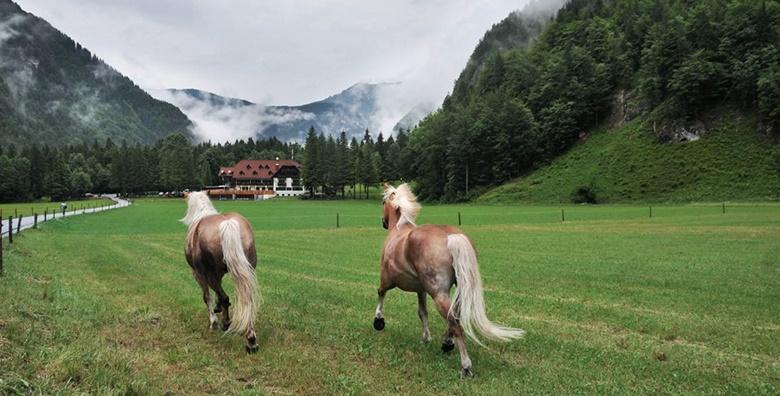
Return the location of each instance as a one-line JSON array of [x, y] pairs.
[[613, 302]]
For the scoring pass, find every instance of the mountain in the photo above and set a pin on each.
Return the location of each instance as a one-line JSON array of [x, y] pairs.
[[517, 31], [414, 116], [54, 91], [362, 106], [538, 88]]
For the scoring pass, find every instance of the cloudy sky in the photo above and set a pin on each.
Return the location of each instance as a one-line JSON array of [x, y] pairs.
[[279, 52]]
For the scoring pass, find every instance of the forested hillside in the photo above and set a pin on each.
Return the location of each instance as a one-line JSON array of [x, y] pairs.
[[55, 92], [600, 64]]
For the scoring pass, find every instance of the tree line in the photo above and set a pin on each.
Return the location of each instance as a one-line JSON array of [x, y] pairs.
[[173, 164], [331, 164]]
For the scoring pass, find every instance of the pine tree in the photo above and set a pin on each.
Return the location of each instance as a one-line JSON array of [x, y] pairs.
[[176, 163], [343, 163], [58, 178], [38, 172], [311, 163]]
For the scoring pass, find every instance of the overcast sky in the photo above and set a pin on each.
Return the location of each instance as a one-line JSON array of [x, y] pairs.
[[279, 52]]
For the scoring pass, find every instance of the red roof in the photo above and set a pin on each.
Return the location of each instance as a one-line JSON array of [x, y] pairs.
[[256, 169]]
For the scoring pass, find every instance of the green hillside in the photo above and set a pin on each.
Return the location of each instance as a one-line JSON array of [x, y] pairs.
[[730, 162]]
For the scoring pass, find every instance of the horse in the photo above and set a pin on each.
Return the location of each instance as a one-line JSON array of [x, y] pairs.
[[217, 244], [431, 259]]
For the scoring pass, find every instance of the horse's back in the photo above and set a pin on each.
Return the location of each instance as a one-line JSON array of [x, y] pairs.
[[427, 250], [431, 237]]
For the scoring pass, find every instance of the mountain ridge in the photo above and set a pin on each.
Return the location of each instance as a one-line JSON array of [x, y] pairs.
[[54, 91], [359, 107]]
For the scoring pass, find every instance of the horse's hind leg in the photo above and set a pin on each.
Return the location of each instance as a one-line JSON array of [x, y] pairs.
[[422, 311], [207, 300], [251, 340], [455, 331], [223, 304]]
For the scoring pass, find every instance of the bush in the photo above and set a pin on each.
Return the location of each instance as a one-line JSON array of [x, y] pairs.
[[584, 194]]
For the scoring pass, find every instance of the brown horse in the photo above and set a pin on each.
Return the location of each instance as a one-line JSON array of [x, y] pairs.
[[217, 244], [431, 259]]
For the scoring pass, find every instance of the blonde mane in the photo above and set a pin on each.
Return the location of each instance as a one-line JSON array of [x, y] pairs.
[[198, 206], [403, 199]]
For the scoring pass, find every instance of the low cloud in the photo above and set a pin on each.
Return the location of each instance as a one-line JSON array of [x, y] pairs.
[[220, 122], [292, 52]]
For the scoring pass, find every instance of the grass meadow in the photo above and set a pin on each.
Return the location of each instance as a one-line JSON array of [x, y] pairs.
[[614, 302]]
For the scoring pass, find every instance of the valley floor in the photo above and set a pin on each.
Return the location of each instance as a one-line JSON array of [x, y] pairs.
[[614, 301]]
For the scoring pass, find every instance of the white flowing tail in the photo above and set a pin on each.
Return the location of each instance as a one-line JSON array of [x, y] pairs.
[[468, 304], [243, 276]]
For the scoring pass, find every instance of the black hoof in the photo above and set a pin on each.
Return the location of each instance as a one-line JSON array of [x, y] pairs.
[[447, 346], [379, 323], [252, 349], [225, 326], [466, 372], [213, 326]]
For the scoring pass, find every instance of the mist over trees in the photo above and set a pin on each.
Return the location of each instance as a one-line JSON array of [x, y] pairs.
[[515, 108], [54, 91]]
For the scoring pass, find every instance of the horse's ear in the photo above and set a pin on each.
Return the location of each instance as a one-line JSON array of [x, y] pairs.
[[387, 186]]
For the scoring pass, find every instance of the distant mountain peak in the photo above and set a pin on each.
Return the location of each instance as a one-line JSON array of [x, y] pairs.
[[361, 106]]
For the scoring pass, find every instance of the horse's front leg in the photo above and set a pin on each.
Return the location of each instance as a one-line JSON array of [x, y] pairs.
[[422, 311], [379, 315]]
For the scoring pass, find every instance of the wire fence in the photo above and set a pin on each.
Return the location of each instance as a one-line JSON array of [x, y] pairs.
[[467, 215], [12, 225]]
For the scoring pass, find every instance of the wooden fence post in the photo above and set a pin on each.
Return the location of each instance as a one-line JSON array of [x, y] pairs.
[[35, 221], [459, 222], [563, 218], [45, 212], [19, 225], [724, 208], [337, 220], [10, 230], [651, 212]]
